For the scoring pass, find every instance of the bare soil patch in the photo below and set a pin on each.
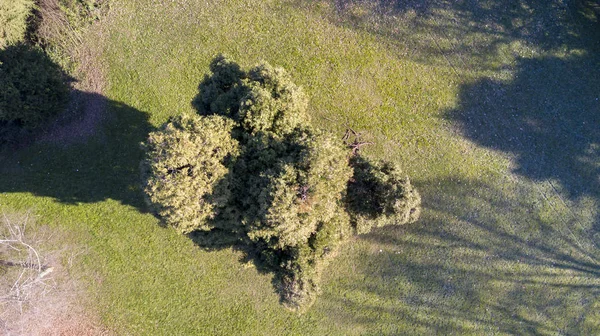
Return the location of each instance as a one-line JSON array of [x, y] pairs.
[[87, 108]]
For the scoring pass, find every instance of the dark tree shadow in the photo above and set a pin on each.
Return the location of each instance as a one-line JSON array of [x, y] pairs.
[[264, 259], [90, 153], [548, 117], [261, 257], [104, 166]]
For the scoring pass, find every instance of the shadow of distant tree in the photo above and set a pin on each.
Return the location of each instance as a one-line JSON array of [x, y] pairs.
[[543, 23], [90, 153], [548, 117], [465, 34], [486, 261], [495, 257]]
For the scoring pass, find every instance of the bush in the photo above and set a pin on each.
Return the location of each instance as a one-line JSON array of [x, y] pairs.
[[251, 167], [287, 194], [59, 27], [14, 17], [379, 194], [32, 87], [222, 92]]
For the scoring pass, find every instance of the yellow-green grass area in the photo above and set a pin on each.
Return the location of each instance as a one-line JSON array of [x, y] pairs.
[[491, 107]]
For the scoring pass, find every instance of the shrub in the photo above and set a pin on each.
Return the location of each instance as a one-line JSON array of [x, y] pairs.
[[300, 268], [14, 17], [252, 169], [32, 87], [274, 104], [222, 92], [297, 187], [380, 194]]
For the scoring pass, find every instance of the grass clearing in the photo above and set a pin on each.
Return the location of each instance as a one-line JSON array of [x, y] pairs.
[[491, 107]]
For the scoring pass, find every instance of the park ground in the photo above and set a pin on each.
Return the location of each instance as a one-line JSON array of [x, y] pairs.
[[491, 107]]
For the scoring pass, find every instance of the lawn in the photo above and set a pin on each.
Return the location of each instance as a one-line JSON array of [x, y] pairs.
[[491, 107]]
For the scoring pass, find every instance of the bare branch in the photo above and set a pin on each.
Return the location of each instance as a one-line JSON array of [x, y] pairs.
[[18, 241], [356, 144]]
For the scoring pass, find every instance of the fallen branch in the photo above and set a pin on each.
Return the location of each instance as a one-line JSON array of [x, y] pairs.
[[9, 242], [356, 144]]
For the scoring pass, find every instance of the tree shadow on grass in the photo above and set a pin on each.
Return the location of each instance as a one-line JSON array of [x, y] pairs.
[[104, 166], [264, 259], [482, 260], [91, 153], [518, 256], [464, 34], [548, 118]]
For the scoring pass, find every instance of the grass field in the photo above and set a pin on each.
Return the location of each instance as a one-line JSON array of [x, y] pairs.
[[492, 107]]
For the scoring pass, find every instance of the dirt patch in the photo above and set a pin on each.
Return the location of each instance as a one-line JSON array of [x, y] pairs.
[[58, 313], [68, 321], [87, 107], [84, 116]]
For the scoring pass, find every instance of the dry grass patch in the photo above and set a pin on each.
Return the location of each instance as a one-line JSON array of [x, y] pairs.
[[40, 294]]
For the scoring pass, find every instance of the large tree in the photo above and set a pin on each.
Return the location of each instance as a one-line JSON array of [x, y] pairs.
[[252, 167]]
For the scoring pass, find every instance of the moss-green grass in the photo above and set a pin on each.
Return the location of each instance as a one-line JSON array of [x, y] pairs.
[[490, 107]]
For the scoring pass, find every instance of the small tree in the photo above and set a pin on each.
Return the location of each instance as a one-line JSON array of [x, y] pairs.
[[379, 195], [252, 166]]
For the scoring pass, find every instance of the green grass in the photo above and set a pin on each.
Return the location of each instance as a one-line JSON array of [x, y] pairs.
[[491, 108], [14, 15]]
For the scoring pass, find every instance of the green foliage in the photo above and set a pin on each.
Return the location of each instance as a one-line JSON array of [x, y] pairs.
[[32, 87], [80, 13], [251, 167], [274, 104], [59, 27], [185, 170], [263, 99], [222, 92], [299, 270], [380, 194], [287, 192], [14, 16]]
